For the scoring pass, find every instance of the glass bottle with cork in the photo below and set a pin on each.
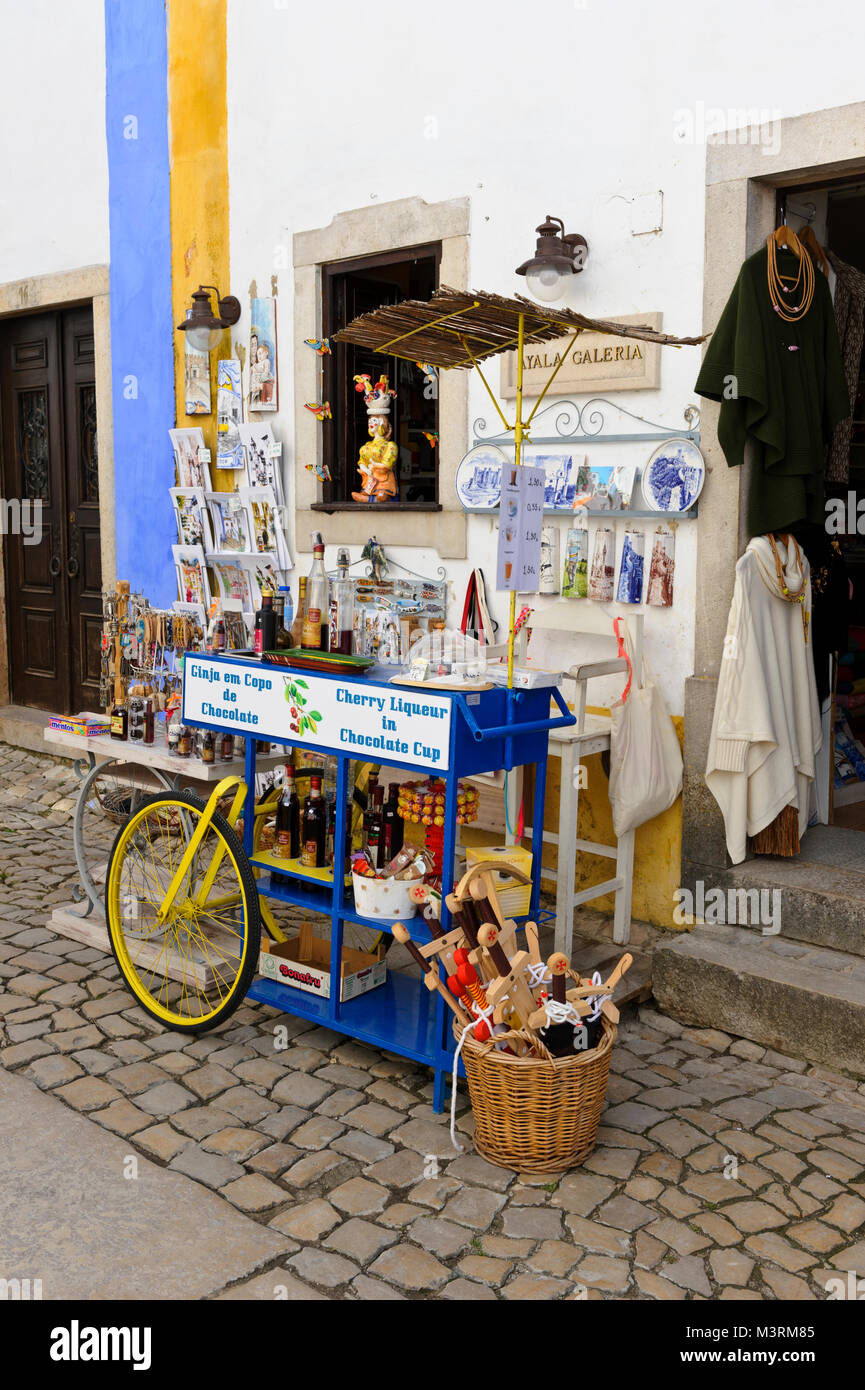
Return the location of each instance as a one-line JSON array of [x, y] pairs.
[[287, 842], [317, 619], [265, 625], [296, 633], [342, 607], [314, 829]]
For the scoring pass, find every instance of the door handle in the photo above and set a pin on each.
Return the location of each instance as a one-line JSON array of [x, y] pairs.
[[72, 563], [54, 564]]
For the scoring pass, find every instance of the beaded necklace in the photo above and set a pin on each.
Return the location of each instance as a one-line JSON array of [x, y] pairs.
[[803, 286]]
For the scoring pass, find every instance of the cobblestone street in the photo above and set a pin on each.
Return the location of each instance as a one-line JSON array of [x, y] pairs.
[[722, 1170]]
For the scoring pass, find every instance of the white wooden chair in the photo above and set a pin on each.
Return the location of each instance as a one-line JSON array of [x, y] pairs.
[[590, 734]]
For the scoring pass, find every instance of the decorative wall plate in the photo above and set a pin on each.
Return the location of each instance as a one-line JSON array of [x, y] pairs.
[[673, 478], [479, 477]]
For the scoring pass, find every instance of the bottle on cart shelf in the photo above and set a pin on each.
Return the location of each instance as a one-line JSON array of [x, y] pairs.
[[330, 803], [371, 785], [172, 732], [285, 619], [317, 618], [208, 747], [119, 720], [314, 830], [342, 607], [393, 824], [226, 748], [184, 743], [287, 842], [136, 720], [296, 633], [265, 625], [149, 722], [375, 830]]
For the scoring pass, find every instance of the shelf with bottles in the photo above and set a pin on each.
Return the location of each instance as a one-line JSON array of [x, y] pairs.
[[295, 868]]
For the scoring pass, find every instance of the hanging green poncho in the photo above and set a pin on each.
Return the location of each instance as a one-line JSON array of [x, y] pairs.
[[782, 385]]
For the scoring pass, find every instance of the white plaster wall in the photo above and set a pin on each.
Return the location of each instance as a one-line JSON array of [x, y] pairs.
[[341, 107], [54, 168]]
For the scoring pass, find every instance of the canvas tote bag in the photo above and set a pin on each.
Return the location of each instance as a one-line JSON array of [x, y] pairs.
[[645, 758]]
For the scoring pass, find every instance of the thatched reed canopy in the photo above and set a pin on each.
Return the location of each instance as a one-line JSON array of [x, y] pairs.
[[459, 328]]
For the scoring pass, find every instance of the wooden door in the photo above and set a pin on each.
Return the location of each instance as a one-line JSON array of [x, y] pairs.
[[48, 445]]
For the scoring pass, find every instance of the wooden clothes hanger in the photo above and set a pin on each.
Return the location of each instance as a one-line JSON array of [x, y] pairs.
[[808, 239]]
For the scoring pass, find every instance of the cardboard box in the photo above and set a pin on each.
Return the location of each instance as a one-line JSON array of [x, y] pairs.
[[515, 898], [303, 962], [83, 725]]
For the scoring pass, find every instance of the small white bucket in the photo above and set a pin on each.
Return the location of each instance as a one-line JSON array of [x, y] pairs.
[[384, 898]]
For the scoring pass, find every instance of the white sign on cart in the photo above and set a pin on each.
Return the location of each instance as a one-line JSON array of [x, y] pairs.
[[363, 719]]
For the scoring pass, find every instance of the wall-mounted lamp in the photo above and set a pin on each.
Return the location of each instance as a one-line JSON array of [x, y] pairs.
[[558, 256], [203, 326]]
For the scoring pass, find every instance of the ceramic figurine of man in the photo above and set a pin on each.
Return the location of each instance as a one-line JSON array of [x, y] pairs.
[[377, 458]]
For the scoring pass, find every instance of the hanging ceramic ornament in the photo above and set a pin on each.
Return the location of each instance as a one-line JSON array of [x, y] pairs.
[[575, 579], [630, 588], [603, 566], [549, 581], [662, 570]]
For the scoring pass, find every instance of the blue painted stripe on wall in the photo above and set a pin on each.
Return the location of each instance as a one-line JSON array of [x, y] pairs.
[[142, 354]]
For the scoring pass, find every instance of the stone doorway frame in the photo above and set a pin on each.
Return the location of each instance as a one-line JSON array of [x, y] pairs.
[[744, 170], [60, 290]]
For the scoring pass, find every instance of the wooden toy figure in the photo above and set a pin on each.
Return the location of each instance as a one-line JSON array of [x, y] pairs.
[[378, 458]]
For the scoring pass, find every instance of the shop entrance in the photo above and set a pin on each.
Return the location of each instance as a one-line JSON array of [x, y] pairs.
[[48, 450], [834, 210]]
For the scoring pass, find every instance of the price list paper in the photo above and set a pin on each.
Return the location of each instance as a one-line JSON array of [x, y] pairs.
[[521, 519]]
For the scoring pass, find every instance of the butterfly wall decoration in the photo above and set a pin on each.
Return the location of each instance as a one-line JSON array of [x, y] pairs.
[[321, 471], [321, 412], [319, 345]]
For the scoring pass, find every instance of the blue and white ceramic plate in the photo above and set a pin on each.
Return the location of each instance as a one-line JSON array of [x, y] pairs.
[[479, 477], [673, 478]]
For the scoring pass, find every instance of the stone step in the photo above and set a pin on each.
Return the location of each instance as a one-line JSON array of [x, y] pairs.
[[793, 997]]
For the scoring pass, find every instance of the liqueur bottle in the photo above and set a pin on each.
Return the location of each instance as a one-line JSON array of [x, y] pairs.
[[285, 615], [287, 843], [265, 624], [299, 617], [342, 608], [119, 721], [226, 748], [208, 747], [314, 831], [371, 786], [375, 832], [316, 620], [393, 825], [149, 722]]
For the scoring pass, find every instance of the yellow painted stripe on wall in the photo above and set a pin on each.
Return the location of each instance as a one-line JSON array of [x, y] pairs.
[[198, 154]]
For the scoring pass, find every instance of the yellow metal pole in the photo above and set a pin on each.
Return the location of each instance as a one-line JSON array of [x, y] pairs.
[[518, 458]]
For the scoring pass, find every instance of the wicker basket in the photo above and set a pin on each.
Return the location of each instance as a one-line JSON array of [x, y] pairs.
[[535, 1115]]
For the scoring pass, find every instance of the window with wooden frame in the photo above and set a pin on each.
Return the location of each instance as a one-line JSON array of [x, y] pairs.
[[350, 288]]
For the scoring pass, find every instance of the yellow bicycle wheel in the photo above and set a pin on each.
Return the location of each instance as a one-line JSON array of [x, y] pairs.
[[190, 964]]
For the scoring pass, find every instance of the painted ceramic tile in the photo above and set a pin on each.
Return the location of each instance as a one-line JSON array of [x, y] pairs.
[[603, 566], [230, 521], [196, 367], [662, 570], [190, 510], [262, 355], [229, 414], [575, 580], [630, 588], [262, 469], [562, 468], [191, 472]]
